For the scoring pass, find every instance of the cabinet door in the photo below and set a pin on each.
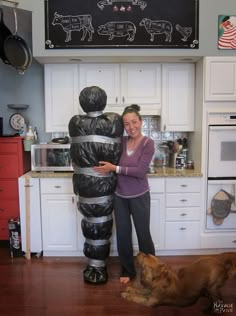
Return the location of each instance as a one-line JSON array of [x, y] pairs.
[[177, 97], [61, 96], [141, 84], [59, 222], [220, 79], [156, 228], [35, 214], [105, 76]]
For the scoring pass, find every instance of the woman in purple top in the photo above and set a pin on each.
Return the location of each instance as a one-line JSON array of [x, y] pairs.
[[132, 197]]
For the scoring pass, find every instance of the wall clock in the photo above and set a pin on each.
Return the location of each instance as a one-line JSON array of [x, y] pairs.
[[16, 121]]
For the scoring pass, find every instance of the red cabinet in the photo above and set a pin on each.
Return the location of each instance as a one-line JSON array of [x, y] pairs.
[[14, 162]]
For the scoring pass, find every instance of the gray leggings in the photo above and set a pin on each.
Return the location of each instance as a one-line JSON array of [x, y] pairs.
[[139, 209]]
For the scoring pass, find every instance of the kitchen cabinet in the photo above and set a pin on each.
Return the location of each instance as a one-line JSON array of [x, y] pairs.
[[125, 84], [182, 216], [157, 192], [220, 78], [61, 95], [178, 85], [35, 228], [60, 218], [14, 161]]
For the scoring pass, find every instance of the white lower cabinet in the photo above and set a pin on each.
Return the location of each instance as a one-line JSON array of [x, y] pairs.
[[60, 229], [182, 216], [35, 229]]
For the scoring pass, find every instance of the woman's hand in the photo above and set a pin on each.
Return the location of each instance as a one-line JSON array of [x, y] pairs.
[[105, 167]]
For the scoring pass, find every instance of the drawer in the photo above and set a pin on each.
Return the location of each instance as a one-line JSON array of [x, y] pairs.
[[9, 167], [183, 214], [223, 240], [182, 235], [8, 148], [56, 185], [183, 185], [157, 185], [182, 200], [4, 232], [9, 208], [8, 189]]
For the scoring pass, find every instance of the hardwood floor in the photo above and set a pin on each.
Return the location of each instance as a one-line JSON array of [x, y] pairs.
[[55, 287]]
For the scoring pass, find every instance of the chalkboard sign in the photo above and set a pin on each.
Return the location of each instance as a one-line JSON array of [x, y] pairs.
[[121, 24]]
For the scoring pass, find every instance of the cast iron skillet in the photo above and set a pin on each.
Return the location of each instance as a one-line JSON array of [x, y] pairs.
[[4, 33], [17, 51]]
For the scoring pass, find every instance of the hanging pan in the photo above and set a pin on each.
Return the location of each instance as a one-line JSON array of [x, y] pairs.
[[4, 33], [17, 51]]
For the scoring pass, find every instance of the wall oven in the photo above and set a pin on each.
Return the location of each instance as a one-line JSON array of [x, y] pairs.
[[221, 172]]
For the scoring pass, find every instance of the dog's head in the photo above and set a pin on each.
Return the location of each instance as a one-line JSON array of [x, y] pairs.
[[153, 271]]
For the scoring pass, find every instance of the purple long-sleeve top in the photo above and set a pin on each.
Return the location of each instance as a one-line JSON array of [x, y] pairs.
[[132, 177]]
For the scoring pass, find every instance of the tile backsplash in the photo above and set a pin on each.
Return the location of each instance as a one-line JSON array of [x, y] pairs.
[[151, 128]]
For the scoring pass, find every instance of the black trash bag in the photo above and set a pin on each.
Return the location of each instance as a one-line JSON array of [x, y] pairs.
[[97, 230], [93, 99], [90, 186], [107, 124], [97, 252], [86, 153], [96, 275], [96, 210]]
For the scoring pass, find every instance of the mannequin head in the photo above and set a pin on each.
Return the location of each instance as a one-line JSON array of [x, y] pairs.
[[93, 99]]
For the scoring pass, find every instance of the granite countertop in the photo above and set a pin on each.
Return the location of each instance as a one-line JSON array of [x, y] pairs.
[[159, 172]]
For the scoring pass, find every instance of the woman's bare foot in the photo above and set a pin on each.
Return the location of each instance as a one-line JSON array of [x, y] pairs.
[[124, 280]]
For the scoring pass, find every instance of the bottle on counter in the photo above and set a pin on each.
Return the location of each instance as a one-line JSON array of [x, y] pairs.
[[30, 134]]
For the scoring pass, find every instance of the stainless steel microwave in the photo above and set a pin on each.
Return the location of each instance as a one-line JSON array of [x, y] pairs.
[[51, 157]]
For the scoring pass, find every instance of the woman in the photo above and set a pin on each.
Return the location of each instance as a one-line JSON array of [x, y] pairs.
[[132, 197]]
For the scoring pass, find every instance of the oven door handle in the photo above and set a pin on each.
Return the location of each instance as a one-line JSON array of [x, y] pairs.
[[222, 128]]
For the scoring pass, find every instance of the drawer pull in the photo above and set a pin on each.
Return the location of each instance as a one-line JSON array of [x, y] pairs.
[[116, 100], [1, 209], [183, 185], [28, 186], [183, 200], [183, 228], [234, 241], [73, 200], [183, 214], [1, 190], [57, 186]]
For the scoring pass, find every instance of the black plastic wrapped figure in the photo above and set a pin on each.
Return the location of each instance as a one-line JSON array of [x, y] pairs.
[[95, 137]]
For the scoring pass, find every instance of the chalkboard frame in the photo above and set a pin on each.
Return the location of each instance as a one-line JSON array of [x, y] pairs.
[[75, 24]]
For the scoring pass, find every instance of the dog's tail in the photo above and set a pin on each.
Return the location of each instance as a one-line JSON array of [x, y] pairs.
[[228, 259]]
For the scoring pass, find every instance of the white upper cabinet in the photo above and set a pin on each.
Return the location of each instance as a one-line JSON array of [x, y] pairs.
[[61, 95], [220, 79], [105, 76], [126, 84], [178, 85]]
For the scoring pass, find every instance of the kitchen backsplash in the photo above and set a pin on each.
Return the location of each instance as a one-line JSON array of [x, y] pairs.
[[151, 128]]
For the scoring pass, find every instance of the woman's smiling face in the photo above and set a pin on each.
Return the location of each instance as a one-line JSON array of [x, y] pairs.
[[132, 124]]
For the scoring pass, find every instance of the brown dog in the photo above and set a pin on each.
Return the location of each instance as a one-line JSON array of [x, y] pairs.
[[164, 286]]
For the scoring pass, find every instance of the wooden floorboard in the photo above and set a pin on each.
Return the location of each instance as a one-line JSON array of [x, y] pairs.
[[55, 287]]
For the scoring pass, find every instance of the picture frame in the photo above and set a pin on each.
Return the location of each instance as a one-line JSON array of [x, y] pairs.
[[227, 32], [121, 24]]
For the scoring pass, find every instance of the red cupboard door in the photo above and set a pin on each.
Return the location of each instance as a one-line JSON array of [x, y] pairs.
[[9, 167]]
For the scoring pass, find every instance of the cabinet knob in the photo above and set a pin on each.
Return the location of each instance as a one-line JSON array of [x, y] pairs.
[[1, 190], [183, 185], [183, 200], [183, 214], [1, 209], [234, 241], [183, 228], [57, 186]]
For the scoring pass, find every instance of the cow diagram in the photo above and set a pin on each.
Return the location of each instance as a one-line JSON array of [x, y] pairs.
[[116, 29], [77, 23]]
